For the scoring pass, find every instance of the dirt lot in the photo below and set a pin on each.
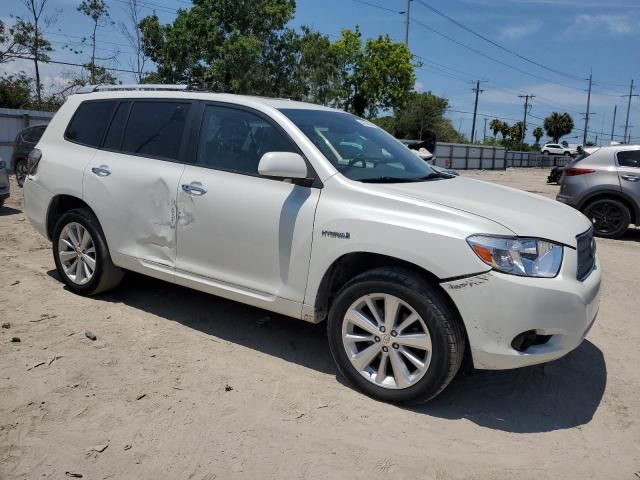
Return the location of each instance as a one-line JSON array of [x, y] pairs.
[[181, 385]]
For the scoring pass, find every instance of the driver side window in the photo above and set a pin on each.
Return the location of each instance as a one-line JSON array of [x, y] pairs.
[[235, 140]]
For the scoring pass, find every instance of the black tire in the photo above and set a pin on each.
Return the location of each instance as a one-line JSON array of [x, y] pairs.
[[20, 170], [610, 217], [545, 152], [566, 154], [106, 275], [445, 328]]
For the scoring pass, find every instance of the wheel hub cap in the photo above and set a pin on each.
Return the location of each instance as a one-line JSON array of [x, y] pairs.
[[77, 253], [386, 341]]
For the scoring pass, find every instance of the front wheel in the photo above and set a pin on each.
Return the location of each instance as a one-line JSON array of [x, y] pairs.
[[21, 171], [81, 254], [395, 336], [566, 154], [610, 217]]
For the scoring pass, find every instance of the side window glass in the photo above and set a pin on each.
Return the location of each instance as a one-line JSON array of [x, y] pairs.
[[155, 128], [630, 158], [113, 139], [90, 122], [235, 140]]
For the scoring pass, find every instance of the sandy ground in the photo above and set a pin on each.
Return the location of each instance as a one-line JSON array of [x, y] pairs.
[[181, 385]]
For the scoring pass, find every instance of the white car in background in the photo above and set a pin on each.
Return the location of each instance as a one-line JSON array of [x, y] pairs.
[[557, 149], [319, 215]]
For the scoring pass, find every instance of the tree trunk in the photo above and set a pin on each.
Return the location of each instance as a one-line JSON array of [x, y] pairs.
[[93, 55], [37, 68]]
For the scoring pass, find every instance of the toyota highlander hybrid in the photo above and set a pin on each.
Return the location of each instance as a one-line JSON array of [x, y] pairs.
[[315, 214]]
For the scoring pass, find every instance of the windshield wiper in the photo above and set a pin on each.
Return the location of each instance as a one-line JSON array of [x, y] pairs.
[[400, 179]]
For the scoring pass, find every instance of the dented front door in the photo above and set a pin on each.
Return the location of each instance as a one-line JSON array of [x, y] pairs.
[[134, 198]]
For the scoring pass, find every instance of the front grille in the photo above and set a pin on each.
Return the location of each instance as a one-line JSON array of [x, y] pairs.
[[586, 254]]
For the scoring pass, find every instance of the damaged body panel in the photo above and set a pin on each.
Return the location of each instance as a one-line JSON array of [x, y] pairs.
[[143, 230]]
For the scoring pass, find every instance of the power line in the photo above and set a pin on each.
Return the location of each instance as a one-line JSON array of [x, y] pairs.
[[495, 44], [58, 62]]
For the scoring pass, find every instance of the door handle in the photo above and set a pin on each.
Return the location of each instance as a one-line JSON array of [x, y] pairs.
[[102, 171], [631, 178], [194, 189]]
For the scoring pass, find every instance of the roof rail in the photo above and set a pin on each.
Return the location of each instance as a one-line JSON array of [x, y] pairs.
[[143, 86]]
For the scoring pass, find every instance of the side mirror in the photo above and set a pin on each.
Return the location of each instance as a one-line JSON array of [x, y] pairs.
[[282, 165]]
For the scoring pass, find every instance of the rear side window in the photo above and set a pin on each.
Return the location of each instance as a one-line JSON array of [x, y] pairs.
[[629, 158], [155, 129], [113, 139], [90, 122]]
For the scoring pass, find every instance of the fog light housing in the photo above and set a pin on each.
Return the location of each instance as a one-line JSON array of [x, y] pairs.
[[525, 340]]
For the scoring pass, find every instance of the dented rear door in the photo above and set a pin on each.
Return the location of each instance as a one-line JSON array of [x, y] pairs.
[[131, 183]]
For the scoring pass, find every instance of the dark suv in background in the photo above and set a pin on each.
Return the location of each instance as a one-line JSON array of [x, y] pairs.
[[24, 142], [604, 184]]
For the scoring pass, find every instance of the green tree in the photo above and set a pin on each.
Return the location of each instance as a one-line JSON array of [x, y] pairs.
[[13, 40], [505, 130], [518, 131], [221, 43], [15, 91], [387, 123], [496, 126], [538, 133], [557, 125], [31, 37], [421, 117], [97, 11], [378, 76]]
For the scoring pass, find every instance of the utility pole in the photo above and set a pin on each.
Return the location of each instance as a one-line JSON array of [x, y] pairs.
[[406, 23], [524, 122], [626, 123], [613, 125], [586, 116], [475, 110], [484, 136]]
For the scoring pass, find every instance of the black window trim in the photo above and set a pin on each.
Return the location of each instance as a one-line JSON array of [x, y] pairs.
[[312, 180], [182, 151]]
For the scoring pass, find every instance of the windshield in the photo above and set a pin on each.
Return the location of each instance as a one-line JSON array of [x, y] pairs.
[[358, 149]]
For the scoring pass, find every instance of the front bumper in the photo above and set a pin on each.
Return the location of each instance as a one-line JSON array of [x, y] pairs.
[[496, 307]]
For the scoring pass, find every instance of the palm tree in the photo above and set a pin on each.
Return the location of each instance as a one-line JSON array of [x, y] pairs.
[[505, 130], [496, 126], [557, 125], [538, 133]]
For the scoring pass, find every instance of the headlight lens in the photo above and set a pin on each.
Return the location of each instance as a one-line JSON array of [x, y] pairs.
[[527, 257]]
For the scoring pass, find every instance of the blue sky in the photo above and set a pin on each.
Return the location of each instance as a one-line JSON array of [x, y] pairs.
[[569, 36]]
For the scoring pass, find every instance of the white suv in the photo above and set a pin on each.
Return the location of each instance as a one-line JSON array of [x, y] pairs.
[[319, 215], [557, 149]]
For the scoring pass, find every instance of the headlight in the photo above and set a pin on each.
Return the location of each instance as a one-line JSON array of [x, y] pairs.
[[527, 257]]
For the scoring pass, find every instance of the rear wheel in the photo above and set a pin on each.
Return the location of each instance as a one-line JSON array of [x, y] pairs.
[[81, 254], [566, 154], [21, 171], [610, 217], [395, 336], [545, 152]]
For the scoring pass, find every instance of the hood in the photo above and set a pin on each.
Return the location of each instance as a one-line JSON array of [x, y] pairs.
[[525, 214]]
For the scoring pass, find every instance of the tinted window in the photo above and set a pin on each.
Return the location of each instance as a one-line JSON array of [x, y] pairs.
[[113, 139], [155, 128], [630, 158], [232, 139], [90, 122]]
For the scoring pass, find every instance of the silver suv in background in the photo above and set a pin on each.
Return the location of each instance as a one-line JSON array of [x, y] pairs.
[[557, 149], [604, 184]]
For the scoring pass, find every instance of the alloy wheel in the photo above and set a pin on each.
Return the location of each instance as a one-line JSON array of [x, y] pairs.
[[606, 217], [77, 253], [386, 341]]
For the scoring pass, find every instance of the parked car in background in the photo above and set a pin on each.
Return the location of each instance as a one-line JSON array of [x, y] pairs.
[[604, 184], [4, 182], [24, 142], [316, 214], [557, 149]]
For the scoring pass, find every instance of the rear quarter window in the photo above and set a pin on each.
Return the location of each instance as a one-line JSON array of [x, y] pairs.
[[629, 158], [90, 122]]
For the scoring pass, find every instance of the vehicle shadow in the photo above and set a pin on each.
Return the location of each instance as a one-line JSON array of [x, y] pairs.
[[631, 235], [562, 394], [6, 211]]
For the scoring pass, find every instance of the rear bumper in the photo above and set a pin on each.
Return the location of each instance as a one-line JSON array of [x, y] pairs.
[[4, 184], [496, 307], [36, 202]]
